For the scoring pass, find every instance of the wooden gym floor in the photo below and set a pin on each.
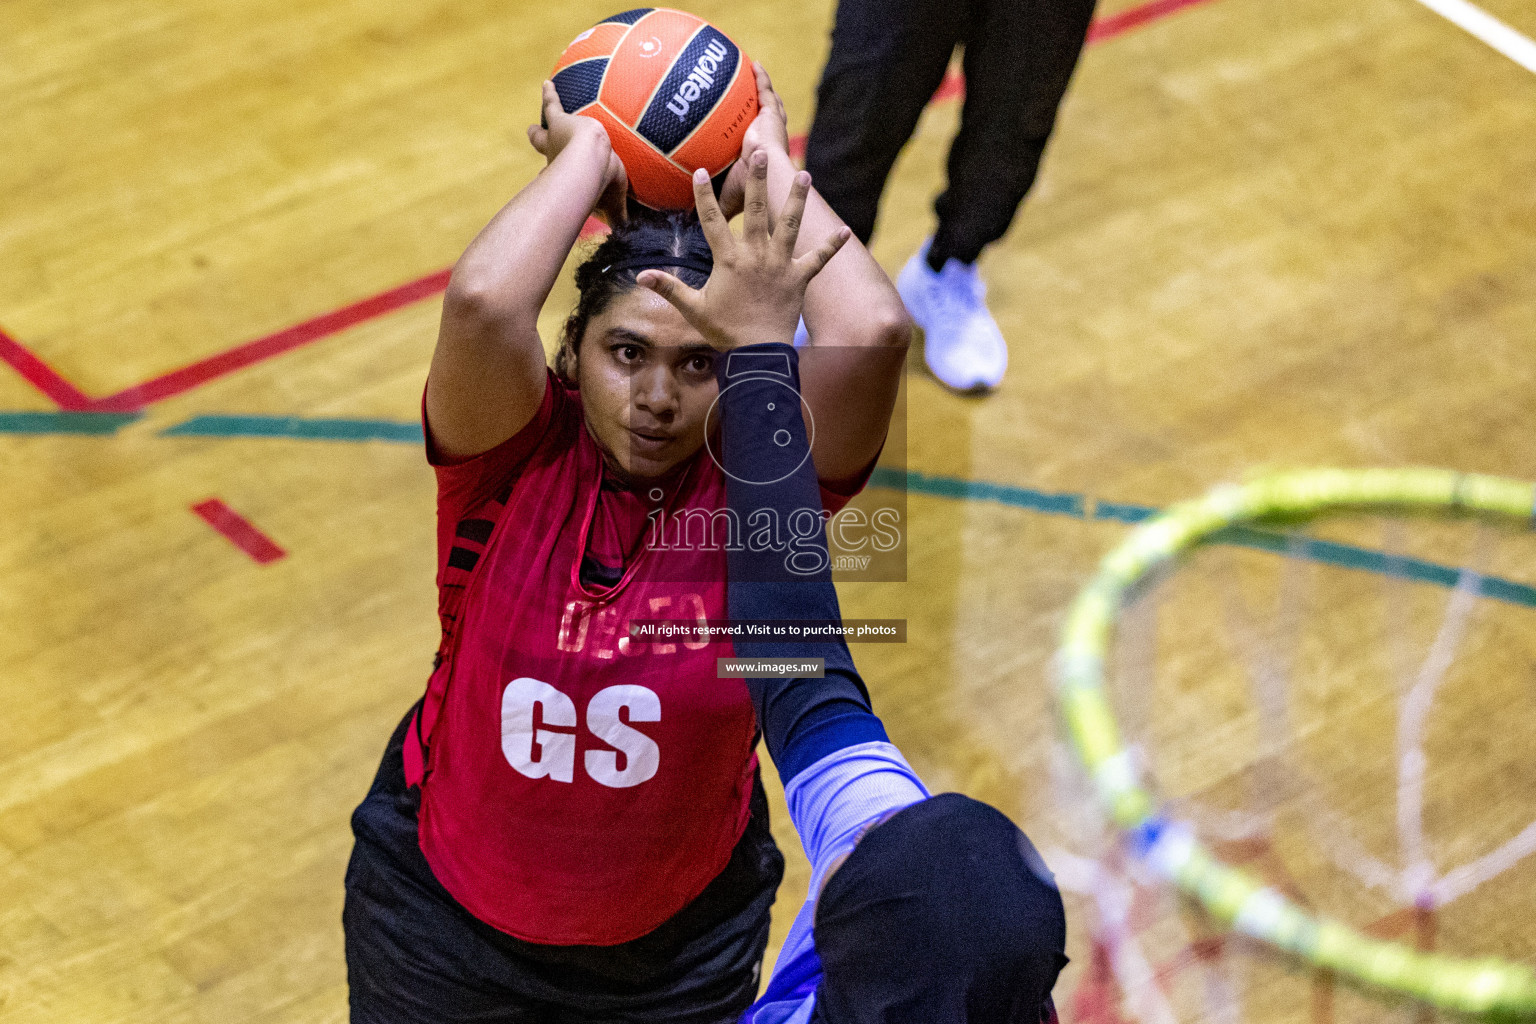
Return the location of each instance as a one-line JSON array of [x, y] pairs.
[[1266, 234]]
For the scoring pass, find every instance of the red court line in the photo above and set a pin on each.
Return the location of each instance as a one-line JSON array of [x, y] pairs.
[[42, 376], [239, 531], [951, 88], [194, 375], [1135, 17], [201, 372]]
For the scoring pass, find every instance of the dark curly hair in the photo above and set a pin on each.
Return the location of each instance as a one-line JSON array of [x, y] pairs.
[[647, 233]]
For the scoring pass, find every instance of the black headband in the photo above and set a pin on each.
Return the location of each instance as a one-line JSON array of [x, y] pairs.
[[659, 261]]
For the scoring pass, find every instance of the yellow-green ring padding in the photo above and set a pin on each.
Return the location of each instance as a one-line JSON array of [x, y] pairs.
[[1483, 988]]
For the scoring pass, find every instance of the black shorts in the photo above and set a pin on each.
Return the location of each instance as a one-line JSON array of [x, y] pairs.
[[415, 955]]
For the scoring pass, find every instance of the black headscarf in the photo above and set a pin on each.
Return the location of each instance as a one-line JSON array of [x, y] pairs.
[[945, 914]]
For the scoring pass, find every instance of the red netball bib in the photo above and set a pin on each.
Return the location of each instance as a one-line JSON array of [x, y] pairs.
[[579, 787]]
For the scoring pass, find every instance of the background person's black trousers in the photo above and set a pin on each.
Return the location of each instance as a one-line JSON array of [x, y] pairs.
[[888, 56]]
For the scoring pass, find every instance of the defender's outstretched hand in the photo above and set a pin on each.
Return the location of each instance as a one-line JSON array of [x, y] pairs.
[[757, 288]]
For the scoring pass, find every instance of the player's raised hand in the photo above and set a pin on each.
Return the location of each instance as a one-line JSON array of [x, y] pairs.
[[768, 130], [771, 125], [757, 288], [558, 130]]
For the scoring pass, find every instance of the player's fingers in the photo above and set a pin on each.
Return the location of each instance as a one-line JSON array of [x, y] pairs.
[[716, 231], [788, 229], [551, 103], [684, 298], [764, 83], [767, 95], [755, 215], [811, 263]]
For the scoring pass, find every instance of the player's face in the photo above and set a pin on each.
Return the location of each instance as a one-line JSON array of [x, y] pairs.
[[647, 382]]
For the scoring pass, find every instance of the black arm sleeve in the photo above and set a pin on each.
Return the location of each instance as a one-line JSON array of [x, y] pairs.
[[780, 569]]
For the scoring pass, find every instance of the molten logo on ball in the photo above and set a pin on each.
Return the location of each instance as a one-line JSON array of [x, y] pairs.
[[700, 78], [673, 92]]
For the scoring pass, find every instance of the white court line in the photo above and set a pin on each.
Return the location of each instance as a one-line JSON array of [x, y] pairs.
[[1489, 29]]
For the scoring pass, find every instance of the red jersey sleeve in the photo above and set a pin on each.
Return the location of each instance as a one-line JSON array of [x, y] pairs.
[[472, 492], [463, 484]]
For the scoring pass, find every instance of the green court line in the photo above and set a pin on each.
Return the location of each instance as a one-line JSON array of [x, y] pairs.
[[98, 423], [978, 490], [1325, 552], [297, 428], [1348, 556], [1122, 513], [1076, 506]]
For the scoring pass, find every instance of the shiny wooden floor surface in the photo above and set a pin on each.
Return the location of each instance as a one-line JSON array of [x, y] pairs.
[[1265, 235]]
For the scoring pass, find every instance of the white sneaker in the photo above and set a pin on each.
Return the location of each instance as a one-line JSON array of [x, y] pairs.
[[802, 336], [961, 343]]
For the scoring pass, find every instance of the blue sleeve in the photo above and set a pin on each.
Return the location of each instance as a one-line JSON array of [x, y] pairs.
[[832, 804], [782, 570]]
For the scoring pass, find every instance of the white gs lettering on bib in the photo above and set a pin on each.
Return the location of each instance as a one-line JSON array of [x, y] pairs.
[[541, 752], [641, 754], [556, 750]]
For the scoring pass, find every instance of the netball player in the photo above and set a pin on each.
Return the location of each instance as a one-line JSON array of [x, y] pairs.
[[569, 827], [922, 910]]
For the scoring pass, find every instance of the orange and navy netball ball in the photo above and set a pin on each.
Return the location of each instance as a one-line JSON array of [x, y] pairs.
[[673, 91]]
